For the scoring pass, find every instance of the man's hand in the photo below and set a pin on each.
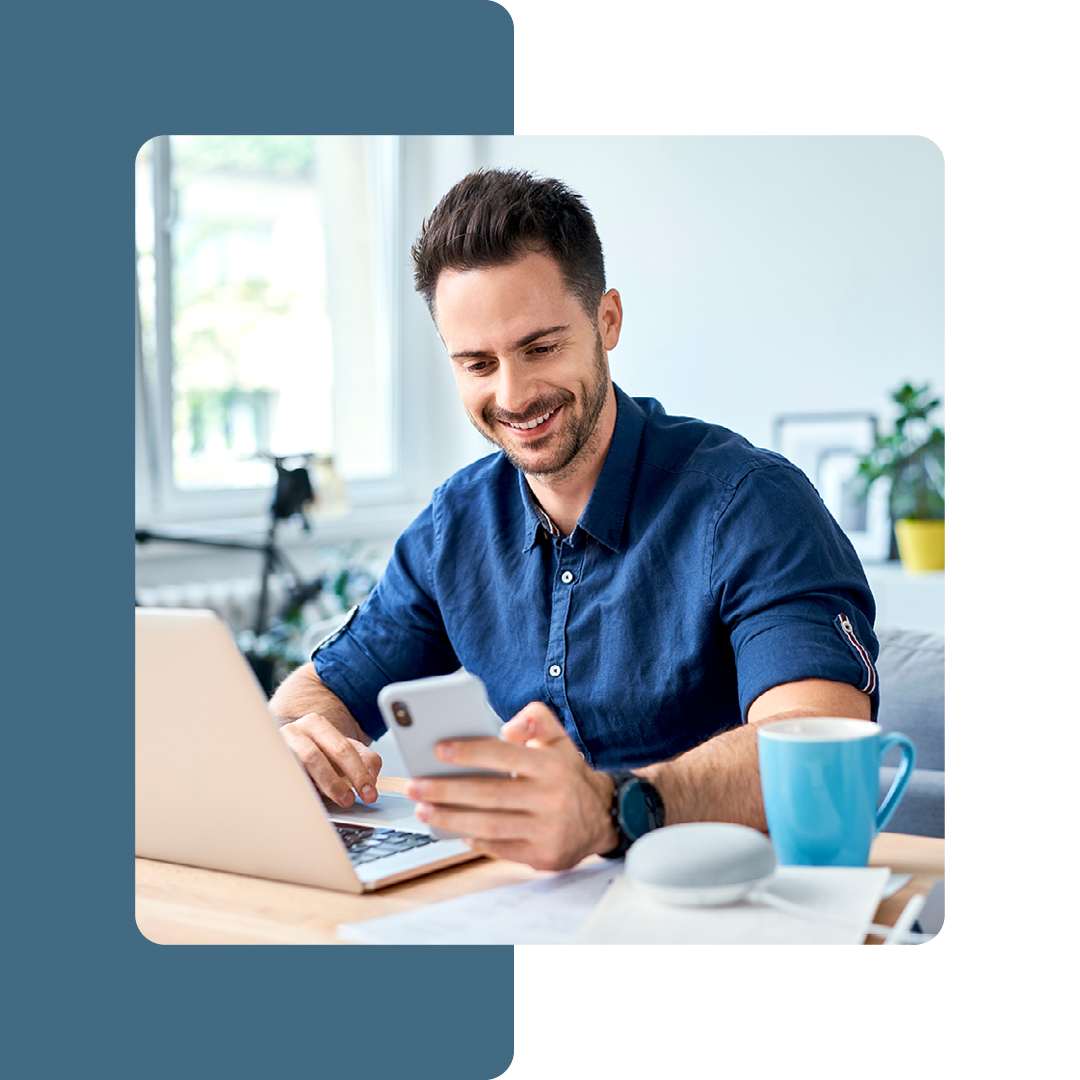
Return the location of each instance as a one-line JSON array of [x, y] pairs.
[[335, 762], [325, 738], [550, 813]]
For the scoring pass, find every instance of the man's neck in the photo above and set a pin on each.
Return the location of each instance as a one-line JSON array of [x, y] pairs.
[[565, 495]]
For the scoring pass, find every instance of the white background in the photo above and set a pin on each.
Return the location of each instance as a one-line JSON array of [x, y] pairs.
[[762, 276], [988, 84], [759, 276]]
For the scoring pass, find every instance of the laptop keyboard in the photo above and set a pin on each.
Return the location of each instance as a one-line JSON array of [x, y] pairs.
[[365, 845]]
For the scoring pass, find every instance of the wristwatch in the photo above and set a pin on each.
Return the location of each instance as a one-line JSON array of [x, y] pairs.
[[636, 808]]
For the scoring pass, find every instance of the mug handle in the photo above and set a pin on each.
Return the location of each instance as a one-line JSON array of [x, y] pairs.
[[900, 781]]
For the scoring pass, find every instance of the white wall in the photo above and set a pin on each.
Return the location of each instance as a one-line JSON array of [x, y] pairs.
[[758, 275]]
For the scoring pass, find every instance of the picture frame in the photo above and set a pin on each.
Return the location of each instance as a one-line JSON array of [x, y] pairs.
[[827, 447]]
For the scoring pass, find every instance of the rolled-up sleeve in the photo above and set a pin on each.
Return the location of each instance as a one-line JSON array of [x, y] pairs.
[[396, 634], [789, 588]]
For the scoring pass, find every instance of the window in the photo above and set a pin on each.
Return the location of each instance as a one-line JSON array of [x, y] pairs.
[[265, 314]]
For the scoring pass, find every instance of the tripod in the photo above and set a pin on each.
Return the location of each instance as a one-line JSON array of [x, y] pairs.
[[292, 494]]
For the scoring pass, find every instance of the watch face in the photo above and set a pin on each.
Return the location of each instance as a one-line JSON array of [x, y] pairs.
[[634, 810]]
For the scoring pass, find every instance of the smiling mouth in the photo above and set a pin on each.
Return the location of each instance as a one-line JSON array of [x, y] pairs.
[[531, 425]]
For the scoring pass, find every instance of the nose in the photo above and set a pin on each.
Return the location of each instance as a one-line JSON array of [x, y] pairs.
[[515, 391]]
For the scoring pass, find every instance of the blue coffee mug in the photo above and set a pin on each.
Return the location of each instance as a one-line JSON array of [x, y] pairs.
[[819, 782]]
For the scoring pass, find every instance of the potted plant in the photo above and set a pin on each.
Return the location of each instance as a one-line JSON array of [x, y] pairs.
[[912, 457]]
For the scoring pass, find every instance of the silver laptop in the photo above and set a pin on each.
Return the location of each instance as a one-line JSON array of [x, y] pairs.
[[216, 786]]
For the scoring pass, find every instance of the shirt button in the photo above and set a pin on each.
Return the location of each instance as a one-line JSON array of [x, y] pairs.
[[567, 577], [554, 671]]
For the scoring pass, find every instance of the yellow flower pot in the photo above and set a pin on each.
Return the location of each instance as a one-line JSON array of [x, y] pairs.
[[921, 544]]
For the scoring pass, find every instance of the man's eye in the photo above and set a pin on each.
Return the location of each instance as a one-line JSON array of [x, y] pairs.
[[477, 367], [543, 350]]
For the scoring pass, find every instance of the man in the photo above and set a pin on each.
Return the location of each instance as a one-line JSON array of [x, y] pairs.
[[637, 591]]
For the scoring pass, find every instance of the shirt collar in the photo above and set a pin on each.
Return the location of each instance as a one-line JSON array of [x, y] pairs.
[[605, 514], [536, 520]]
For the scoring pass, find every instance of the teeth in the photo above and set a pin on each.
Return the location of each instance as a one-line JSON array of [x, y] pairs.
[[532, 423]]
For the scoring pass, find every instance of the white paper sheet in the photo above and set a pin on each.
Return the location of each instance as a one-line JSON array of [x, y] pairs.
[[626, 915], [548, 911], [578, 906]]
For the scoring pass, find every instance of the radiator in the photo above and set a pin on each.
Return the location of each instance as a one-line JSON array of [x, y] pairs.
[[235, 600]]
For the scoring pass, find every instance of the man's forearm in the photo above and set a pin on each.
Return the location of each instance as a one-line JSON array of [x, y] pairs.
[[716, 781], [304, 692], [719, 780]]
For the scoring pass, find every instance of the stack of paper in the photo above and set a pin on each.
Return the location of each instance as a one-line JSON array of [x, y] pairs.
[[628, 916], [574, 907]]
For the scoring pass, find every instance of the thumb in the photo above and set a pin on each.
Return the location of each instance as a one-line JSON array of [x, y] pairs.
[[534, 725]]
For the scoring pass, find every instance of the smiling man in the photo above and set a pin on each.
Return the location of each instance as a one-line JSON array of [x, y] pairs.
[[637, 591]]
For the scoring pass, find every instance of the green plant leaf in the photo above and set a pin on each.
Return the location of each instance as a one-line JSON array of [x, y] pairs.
[[911, 456]]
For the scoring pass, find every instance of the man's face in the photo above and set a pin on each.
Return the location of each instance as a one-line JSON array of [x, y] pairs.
[[530, 364]]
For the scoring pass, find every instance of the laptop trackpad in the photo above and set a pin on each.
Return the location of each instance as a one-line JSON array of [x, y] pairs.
[[390, 811]]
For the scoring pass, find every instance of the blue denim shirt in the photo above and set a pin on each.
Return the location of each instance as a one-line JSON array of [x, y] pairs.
[[703, 572]]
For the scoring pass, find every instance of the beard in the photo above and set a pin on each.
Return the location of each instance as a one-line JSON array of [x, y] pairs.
[[577, 431]]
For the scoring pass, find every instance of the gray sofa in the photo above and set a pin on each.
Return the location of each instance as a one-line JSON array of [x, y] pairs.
[[911, 670]]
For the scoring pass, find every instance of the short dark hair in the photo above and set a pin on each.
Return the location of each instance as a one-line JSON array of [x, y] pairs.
[[493, 217]]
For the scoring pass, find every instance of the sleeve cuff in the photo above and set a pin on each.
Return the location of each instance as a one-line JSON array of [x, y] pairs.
[[789, 651]]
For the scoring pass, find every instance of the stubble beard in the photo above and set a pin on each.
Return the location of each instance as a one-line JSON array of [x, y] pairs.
[[577, 434]]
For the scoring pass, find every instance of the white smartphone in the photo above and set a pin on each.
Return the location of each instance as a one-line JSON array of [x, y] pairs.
[[422, 712]]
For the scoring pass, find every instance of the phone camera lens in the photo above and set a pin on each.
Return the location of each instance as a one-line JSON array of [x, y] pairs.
[[401, 714]]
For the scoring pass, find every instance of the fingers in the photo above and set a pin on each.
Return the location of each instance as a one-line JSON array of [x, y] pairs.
[[335, 763], [535, 725], [482, 792], [480, 824], [506, 834], [550, 811], [491, 754]]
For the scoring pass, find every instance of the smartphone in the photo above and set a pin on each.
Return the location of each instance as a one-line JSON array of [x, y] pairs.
[[422, 712]]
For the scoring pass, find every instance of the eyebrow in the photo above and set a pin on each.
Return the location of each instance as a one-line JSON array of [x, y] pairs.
[[521, 343]]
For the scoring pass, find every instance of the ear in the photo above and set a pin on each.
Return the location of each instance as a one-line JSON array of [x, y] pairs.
[[609, 318]]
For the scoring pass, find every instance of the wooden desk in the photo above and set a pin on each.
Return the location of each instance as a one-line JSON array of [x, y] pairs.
[[178, 905]]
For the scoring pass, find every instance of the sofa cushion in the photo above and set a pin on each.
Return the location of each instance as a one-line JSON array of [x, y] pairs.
[[922, 809], [911, 671]]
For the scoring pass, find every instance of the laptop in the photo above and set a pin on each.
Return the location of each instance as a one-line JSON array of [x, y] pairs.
[[216, 786]]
